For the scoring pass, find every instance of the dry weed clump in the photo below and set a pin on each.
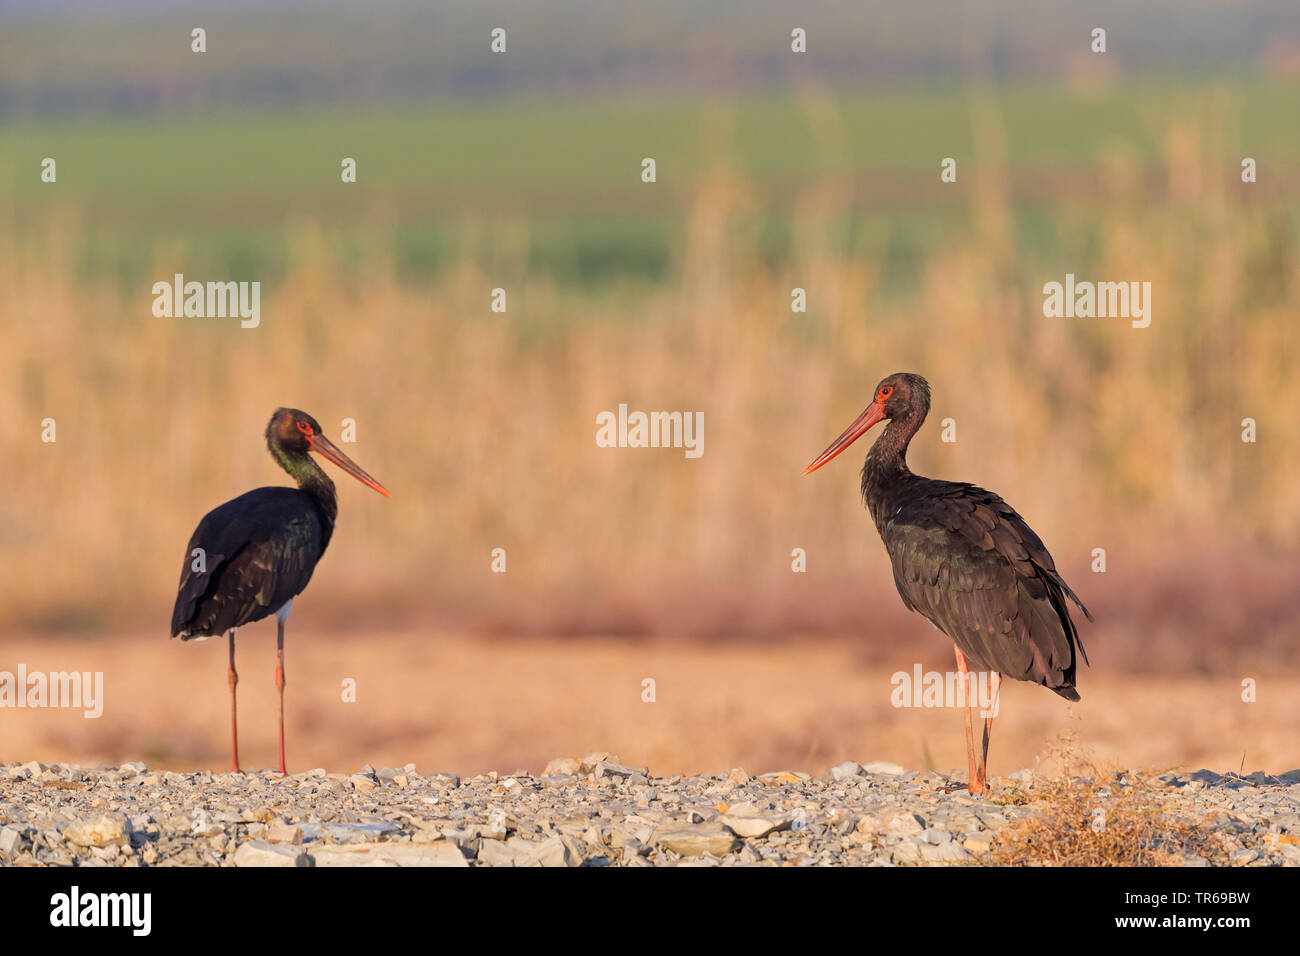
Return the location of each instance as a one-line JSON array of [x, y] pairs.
[[1091, 817]]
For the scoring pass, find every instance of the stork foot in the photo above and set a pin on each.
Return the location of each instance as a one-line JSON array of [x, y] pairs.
[[977, 786]]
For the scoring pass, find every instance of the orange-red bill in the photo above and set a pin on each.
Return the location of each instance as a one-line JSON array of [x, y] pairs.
[[321, 444], [873, 414]]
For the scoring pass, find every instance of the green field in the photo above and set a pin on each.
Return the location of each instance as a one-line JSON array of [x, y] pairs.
[[437, 180]]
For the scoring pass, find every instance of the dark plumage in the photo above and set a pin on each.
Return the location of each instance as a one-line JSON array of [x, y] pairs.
[[962, 557], [260, 550]]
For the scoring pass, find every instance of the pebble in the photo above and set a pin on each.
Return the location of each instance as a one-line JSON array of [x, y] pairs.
[[283, 833], [711, 839], [99, 831], [846, 771], [260, 853], [588, 763], [563, 767], [880, 766], [978, 843], [891, 821], [553, 851], [500, 853], [948, 852], [784, 776], [747, 820], [10, 837], [391, 854], [589, 811]]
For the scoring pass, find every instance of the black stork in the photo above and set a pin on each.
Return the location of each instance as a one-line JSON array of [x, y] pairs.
[[965, 560], [253, 555]]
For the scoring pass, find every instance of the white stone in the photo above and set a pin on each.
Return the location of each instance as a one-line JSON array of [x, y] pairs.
[[442, 853], [260, 853]]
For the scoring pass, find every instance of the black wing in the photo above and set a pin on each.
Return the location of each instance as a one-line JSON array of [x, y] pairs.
[[259, 551], [968, 562]]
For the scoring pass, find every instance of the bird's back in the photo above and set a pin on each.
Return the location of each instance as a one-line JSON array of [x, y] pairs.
[[258, 552], [964, 559]]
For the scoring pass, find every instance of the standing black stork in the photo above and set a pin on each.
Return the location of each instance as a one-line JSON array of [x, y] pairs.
[[965, 560], [253, 555]]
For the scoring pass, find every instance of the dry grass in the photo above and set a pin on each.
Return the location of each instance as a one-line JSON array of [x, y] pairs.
[[483, 425], [1091, 817]]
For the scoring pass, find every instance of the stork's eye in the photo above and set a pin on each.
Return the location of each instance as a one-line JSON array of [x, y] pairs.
[[887, 391], [304, 428]]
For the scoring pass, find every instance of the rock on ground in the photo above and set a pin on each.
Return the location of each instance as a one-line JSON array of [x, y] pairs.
[[588, 811]]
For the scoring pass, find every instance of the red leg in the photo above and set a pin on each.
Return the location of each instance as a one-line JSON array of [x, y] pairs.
[[232, 678], [976, 785], [996, 680], [279, 684]]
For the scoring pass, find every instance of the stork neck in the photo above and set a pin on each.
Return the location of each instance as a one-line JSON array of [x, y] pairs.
[[310, 478], [886, 465]]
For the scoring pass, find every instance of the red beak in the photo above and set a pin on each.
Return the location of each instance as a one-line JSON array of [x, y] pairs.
[[327, 449], [873, 414]]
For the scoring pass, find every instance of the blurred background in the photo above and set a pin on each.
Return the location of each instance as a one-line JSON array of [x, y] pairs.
[[522, 171]]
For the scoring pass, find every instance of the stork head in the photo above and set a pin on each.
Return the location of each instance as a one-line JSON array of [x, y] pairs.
[[297, 433], [901, 395]]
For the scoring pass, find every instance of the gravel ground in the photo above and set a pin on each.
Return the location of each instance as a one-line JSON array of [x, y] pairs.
[[579, 812]]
